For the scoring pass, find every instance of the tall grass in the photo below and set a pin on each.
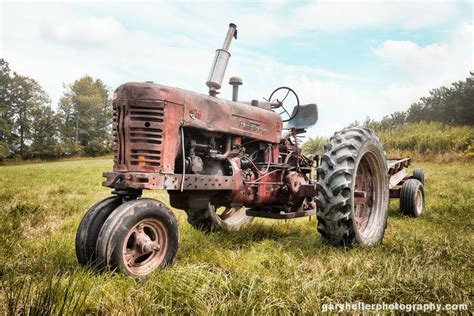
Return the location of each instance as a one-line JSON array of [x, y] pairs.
[[421, 141], [50, 295], [273, 267], [431, 139]]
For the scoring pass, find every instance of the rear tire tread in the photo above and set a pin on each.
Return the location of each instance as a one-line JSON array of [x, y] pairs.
[[336, 173]]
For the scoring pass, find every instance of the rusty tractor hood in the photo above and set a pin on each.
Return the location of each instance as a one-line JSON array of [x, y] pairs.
[[208, 113]]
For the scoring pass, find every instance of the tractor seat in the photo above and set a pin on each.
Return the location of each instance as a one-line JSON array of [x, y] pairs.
[[307, 116]]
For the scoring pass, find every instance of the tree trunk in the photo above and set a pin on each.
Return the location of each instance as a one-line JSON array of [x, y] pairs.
[[77, 131], [22, 134], [21, 142]]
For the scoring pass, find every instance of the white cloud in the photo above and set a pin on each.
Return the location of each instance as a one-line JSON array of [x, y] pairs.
[[424, 67], [261, 27], [72, 46], [175, 46], [337, 16], [397, 97], [413, 59], [437, 62], [89, 31]]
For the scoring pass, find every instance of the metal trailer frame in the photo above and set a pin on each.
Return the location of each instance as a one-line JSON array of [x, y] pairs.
[[398, 172]]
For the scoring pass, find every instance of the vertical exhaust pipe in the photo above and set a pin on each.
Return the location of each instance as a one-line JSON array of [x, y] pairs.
[[221, 60]]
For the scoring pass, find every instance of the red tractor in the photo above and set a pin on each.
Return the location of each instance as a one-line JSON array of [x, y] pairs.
[[226, 162]]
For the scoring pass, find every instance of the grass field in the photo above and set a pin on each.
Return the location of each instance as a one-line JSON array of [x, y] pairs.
[[271, 267]]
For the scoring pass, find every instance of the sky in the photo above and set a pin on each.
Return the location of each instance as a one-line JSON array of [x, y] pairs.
[[354, 59]]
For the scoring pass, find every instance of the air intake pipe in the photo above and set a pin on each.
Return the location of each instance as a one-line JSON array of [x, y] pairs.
[[221, 60]]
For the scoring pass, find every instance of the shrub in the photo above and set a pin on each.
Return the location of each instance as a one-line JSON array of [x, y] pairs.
[[96, 148], [432, 138], [426, 141], [314, 146]]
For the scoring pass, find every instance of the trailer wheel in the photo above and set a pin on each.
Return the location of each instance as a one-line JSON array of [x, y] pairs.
[[89, 228], [353, 189], [138, 238], [412, 198], [225, 218], [419, 175]]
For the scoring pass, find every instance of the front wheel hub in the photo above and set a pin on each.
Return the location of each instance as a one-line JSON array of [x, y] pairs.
[[145, 245]]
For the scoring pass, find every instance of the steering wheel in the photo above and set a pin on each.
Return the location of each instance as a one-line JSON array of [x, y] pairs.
[[285, 115]]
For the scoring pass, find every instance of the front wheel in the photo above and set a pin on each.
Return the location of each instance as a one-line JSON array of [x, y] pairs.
[[139, 237], [90, 226], [353, 190]]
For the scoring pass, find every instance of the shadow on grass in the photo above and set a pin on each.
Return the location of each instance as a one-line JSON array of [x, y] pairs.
[[298, 238]]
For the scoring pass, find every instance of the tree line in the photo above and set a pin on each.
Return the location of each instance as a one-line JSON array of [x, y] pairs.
[[441, 121], [31, 129], [452, 106]]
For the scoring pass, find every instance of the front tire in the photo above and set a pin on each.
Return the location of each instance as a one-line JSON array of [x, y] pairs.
[[353, 190], [89, 229], [139, 237]]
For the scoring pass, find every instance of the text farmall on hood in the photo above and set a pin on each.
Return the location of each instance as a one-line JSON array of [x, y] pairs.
[[226, 162]]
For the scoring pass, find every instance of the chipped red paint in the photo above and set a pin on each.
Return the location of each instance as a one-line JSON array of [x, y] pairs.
[[147, 122], [144, 112]]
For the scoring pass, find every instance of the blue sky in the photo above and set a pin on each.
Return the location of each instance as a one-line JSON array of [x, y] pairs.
[[352, 58]]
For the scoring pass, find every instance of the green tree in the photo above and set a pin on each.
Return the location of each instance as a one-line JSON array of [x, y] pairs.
[[45, 133], [314, 146], [6, 114], [27, 97], [86, 115], [451, 105], [462, 102]]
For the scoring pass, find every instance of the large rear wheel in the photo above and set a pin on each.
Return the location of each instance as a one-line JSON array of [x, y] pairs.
[[225, 218], [352, 188]]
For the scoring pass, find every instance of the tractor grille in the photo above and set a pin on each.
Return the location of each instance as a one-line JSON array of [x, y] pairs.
[[138, 135]]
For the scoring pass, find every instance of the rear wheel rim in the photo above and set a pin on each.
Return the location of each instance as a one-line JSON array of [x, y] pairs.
[[230, 216], [145, 246], [368, 194]]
